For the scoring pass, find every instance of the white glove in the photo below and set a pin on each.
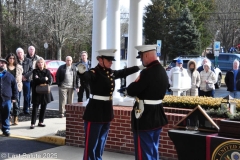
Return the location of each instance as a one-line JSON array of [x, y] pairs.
[[141, 67]]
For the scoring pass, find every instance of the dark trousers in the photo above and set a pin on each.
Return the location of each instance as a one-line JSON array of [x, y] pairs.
[[26, 96], [81, 90], [206, 94], [30, 93], [5, 108], [16, 107], [41, 114], [95, 140], [146, 144]]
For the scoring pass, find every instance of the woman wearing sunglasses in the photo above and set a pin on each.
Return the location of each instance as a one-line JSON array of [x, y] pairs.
[[16, 70]]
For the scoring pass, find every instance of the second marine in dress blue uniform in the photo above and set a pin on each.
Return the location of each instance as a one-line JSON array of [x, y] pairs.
[[150, 88], [99, 110]]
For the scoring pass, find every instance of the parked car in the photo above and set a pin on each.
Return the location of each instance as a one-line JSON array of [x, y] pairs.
[[225, 60], [52, 66], [198, 60]]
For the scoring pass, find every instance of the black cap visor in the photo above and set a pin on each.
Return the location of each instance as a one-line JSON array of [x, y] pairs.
[[110, 58], [140, 52]]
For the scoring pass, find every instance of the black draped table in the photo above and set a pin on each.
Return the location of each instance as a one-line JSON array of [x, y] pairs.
[[197, 145]]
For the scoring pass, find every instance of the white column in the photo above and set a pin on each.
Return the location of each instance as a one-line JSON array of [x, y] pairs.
[[98, 29], [134, 35], [113, 39]]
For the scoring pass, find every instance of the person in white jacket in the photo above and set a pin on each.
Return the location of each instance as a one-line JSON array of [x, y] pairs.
[[207, 76], [179, 66]]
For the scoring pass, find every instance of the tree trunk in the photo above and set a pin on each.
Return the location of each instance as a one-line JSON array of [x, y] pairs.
[[59, 50]]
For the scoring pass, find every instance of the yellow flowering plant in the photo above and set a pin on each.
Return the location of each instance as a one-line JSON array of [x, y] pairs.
[[211, 105]]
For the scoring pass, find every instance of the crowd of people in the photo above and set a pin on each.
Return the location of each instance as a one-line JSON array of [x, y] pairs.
[[200, 77], [20, 73], [24, 73], [204, 75]]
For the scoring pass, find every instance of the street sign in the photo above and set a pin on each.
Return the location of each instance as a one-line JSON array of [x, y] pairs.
[[45, 45], [216, 46], [159, 45], [216, 53]]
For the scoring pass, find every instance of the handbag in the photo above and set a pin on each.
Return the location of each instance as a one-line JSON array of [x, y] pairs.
[[43, 89], [209, 86]]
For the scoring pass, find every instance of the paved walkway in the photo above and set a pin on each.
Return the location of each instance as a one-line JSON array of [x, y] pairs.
[[47, 134]]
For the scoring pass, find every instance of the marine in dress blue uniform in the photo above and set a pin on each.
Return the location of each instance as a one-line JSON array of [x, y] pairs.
[[149, 88], [99, 110]]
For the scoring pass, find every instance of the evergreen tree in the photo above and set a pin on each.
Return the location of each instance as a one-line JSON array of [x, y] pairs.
[[186, 37], [200, 10], [159, 22]]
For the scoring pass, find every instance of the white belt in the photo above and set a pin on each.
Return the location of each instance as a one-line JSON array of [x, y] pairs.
[[151, 101], [103, 98]]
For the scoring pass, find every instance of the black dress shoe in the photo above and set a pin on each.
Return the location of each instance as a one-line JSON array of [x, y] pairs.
[[6, 133], [41, 125], [32, 126]]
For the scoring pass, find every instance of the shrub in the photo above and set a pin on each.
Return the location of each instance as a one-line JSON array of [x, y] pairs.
[[211, 105]]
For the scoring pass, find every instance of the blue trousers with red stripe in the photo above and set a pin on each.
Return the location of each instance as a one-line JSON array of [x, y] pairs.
[[95, 140], [146, 144]]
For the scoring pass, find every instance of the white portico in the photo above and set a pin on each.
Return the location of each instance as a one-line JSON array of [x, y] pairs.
[[106, 34]]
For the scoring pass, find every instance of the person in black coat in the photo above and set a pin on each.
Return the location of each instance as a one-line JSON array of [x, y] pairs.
[[83, 84], [26, 78], [67, 81], [148, 117], [41, 75], [99, 110], [232, 80]]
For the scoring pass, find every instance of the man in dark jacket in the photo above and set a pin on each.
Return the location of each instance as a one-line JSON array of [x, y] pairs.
[[232, 80], [83, 84], [67, 80], [9, 93], [99, 110], [148, 115], [26, 78]]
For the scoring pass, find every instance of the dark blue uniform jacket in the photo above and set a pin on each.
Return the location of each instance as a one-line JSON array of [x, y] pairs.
[[152, 85], [102, 83]]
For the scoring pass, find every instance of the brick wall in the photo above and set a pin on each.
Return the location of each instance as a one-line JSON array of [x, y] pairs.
[[120, 138]]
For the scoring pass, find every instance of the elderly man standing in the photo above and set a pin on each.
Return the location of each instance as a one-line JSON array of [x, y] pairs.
[[232, 80], [33, 57], [26, 78], [148, 115], [67, 80], [83, 83], [9, 93]]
